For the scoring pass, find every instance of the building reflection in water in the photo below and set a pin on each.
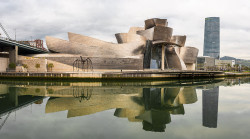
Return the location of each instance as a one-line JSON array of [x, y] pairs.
[[210, 99], [151, 106], [159, 104]]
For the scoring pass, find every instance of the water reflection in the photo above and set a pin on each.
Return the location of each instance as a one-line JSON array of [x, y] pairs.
[[210, 99], [151, 106], [159, 103], [151, 103], [11, 100]]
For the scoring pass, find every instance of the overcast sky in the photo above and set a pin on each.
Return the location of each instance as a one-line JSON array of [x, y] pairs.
[[103, 18]]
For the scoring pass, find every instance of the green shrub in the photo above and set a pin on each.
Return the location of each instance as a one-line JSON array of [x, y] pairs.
[[50, 91], [37, 90], [50, 66], [12, 65], [37, 66], [25, 66]]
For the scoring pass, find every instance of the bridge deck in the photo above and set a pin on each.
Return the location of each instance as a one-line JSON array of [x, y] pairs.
[[22, 48]]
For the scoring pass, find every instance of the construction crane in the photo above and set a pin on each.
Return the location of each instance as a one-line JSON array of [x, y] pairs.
[[5, 32], [4, 121]]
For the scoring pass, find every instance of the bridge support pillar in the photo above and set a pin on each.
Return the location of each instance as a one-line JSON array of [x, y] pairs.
[[13, 96], [13, 55]]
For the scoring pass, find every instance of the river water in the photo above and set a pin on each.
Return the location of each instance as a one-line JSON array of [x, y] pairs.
[[186, 109]]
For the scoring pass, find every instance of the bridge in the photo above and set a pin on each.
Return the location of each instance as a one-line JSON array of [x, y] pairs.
[[11, 102], [15, 48], [22, 48]]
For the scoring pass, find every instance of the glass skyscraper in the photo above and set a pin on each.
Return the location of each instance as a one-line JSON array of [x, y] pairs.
[[212, 37]]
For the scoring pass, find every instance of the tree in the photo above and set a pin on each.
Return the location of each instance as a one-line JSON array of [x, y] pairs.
[[25, 66], [228, 67], [37, 66], [236, 67], [12, 66], [50, 66]]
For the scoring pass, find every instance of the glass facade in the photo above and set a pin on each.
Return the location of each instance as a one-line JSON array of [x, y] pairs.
[[212, 37], [156, 54], [155, 58]]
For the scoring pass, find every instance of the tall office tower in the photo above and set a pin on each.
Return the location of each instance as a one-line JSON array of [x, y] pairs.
[[210, 99], [212, 37]]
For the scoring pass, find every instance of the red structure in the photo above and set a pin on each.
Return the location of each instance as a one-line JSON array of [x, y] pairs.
[[36, 43], [39, 43]]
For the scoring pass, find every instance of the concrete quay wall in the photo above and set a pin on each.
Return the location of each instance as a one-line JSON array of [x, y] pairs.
[[118, 75]]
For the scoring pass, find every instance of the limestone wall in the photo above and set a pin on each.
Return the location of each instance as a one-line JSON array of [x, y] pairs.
[[31, 63], [105, 63], [4, 62], [64, 62], [60, 67]]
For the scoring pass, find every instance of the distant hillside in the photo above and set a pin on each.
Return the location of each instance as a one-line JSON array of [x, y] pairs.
[[228, 58], [238, 61]]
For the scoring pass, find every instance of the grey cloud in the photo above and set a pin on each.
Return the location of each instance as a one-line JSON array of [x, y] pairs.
[[105, 18]]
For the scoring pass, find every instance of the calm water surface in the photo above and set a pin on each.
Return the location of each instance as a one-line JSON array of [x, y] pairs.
[[218, 109]]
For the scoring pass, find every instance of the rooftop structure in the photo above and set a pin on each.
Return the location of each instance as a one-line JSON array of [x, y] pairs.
[[224, 63], [205, 62]]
